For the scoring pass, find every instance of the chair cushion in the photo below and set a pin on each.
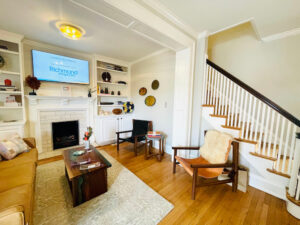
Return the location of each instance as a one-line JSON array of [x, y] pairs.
[[216, 146], [202, 172]]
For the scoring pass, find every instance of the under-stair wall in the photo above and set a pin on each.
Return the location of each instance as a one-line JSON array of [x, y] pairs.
[[266, 132]]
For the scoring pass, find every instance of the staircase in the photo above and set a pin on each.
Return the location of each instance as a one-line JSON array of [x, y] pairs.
[[266, 132]]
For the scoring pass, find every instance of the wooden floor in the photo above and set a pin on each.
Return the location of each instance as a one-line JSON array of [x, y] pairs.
[[213, 204]]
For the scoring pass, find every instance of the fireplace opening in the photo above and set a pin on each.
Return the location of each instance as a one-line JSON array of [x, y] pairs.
[[65, 134]]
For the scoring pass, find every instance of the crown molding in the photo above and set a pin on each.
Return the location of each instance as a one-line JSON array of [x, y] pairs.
[[169, 15], [161, 51], [282, 35]]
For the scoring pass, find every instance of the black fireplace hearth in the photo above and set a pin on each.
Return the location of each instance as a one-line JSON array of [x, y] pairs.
[[65, 134]]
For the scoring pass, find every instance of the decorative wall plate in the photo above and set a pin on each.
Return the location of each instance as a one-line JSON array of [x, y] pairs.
[[150, 100], [106, 76], [128, 107], [155, 84], [143, 91]]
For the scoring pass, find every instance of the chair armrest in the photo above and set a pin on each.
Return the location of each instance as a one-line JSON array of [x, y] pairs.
[[30, 142], [220, 165], [125, 131], [185, 148]]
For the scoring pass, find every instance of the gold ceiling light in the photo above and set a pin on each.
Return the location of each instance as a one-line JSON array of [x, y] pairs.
[[70, 31]]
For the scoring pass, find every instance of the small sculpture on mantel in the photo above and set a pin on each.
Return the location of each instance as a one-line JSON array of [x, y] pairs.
[[33, 83]]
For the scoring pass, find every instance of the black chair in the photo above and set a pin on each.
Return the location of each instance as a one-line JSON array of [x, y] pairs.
[[138, 133]]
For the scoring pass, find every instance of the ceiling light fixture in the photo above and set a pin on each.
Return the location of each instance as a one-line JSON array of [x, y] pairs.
[[70, 31]]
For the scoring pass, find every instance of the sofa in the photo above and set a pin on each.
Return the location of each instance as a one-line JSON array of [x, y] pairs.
[[17, 179]]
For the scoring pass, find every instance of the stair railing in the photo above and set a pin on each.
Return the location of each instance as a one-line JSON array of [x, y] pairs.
[[260, 120]]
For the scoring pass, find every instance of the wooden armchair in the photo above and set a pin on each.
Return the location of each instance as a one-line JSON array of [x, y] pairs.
[[138, 133], [208, 168]]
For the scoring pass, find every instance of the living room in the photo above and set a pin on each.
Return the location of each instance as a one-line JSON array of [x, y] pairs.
[[103, 107]]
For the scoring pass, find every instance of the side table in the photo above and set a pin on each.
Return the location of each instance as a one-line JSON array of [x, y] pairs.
[[148, 145]]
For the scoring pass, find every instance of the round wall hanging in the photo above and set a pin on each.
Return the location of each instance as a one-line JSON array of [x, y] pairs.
[[155, 84], [143, 91], [128, 107], [150, 100], [106, 76], [2, 62]]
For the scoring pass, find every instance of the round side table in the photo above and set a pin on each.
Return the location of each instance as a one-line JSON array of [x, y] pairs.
[[148, 147]]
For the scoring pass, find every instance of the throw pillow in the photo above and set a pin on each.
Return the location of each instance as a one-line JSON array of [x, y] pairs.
[[8, 149], [21, 145]]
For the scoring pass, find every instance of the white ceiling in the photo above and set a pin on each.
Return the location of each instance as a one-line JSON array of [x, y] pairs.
[[36, 20], [270, 16]]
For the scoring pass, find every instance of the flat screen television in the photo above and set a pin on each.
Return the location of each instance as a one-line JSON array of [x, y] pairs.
[[58, 68]]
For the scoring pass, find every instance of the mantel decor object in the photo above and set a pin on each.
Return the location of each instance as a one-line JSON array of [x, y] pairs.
[[33, 83], [106, 76]]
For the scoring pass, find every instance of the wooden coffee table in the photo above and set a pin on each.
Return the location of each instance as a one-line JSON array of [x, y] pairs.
[[86, 184]]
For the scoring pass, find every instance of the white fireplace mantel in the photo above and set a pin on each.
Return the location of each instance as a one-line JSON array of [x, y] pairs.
[[42, 110]]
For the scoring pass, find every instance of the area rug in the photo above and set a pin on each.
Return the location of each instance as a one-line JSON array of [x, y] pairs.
[[127, 201]]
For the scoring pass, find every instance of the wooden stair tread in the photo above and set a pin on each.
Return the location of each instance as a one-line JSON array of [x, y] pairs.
[[293, 200], [278, 173], [246, 141], [230, 127], [262, 156], [220, 116]]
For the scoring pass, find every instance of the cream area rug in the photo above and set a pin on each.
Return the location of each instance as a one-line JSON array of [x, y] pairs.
[[127, 201]]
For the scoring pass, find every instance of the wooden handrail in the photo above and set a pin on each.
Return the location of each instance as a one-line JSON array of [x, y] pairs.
[[255, 93]]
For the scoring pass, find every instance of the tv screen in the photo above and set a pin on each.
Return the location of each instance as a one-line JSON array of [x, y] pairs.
[[57, 68]]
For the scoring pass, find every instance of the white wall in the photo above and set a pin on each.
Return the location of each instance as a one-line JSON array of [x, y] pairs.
[[272, 68], [51, 88], [159, 67]]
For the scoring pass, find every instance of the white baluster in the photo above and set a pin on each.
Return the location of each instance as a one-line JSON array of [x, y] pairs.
[[205, 86], [271, 133], [261, 126], [237, 103], [276, 136], [280, 144], [218, 94], [287, 138], [244, 116], [209, 85], [248, 119], [293, 147], [214, 90], [226, 96], [257, 121], [241, 107], [229, 103], [266, 131], [222, 93], [233, 105], [252, 119]]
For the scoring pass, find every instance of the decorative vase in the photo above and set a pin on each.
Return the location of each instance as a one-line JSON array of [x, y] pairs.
[[87, 144]]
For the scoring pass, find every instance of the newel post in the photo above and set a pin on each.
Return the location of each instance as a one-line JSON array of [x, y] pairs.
[[294, 186]]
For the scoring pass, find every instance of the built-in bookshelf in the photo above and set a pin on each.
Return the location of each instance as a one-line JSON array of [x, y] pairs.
[[116, 90], [11, 80]]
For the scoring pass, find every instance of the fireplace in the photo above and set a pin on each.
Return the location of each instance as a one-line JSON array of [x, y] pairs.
[[65, 134]]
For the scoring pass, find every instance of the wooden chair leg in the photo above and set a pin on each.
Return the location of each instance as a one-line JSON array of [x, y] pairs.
[[146, 149], [195, 175], [118, 144], [174, 161]]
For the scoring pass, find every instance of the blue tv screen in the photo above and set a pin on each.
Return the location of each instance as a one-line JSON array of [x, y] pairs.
[[57, 68]]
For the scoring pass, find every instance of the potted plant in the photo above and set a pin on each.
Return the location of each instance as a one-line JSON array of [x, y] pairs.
[[33, 83], [86, 137]]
